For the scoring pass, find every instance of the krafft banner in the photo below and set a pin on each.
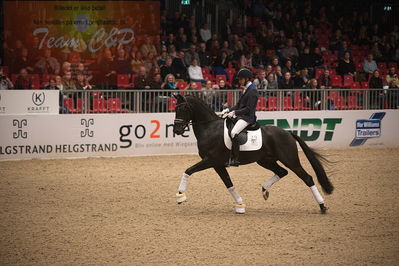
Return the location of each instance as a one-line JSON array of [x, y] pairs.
[[80, 25], [70, 136], [29, 102]]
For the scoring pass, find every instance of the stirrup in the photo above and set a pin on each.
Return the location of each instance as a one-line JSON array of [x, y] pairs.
[[233, 162]]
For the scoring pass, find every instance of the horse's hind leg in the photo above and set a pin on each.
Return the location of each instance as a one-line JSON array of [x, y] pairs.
[[224, 175], [202, 165], [278, 171], [296, 167]]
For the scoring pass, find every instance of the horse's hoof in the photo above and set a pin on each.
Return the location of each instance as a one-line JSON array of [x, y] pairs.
[[181, 197], [323, 209], [265, 193], [240, 208]]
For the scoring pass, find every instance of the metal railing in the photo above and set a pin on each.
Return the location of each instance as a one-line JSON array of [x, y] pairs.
[[155, 100]]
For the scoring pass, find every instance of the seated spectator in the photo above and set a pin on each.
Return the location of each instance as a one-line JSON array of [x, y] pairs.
[[226, 48], [305, 60], [141, 81], [376, 96], [272, 83], [288, 67], [376, 81], [261, 82], [290, 51], [107, 71], [122, 64], [51, 85], [183, 44], [58, 82], [66, 67], [369, 65], [346, 66], [258, 61], [286, 83], [344, 49], [167, 68], [214, 50], [391, 76], [156, 81], [205, 32], [222, 60], [246, 60], [150, 61], [82, 70], [275, 62], [5, 82], [210, 96], [317, 58], [239, 50], [172, 51], [302, 80], [23, 60], [82, 83], [269, 69], [393, 94], [192, 86], [223, 95], [48, 64], [312, 95], [68, 82], [279, 74], [204, 57], [23, 81], [222, 85], [137, 62], [179, 67], [195, 71], [148, 46], [162, 58], [325, 80], [190, 55]]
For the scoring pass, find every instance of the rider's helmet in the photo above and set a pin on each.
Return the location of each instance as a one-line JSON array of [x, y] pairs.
[[244, 73]]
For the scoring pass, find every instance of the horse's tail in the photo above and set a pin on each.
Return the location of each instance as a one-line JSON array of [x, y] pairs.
[[314, 159]]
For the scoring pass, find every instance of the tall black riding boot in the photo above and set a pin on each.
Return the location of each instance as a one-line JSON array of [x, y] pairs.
[[235, 150]]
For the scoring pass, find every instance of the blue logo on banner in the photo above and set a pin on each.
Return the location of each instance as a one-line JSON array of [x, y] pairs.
[[367, 129]]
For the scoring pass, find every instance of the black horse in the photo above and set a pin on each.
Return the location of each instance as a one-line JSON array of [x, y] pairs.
[[278, 145]]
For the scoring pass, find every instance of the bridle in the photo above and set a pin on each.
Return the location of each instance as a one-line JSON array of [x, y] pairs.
[[181, 122]]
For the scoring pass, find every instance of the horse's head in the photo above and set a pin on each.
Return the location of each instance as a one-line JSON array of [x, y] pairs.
[[183, 115]]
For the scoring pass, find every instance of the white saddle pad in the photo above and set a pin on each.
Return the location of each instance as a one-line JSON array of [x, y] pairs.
[[254, 140]]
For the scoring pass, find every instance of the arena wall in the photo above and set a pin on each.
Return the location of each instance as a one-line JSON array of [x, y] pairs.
[[72, 136]]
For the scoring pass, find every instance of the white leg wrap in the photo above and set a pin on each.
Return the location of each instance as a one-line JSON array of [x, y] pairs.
[[183, 182], [317, 195], [268, 183], [235, 195]]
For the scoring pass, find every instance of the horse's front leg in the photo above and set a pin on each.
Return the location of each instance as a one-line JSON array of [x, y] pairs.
[[202, 165], [224, 175]]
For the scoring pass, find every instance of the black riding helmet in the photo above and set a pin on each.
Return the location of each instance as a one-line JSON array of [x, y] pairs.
[[244, 73]]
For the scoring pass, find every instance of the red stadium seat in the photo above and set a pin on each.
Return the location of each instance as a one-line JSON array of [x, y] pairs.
[[69, 105], [336, 81], [352, 103], [287, 104], [220, 77], [261, 106], [365, 85], [199, 85], [347, 82], [171, 104], [99, 106], [319, 72], [114, 106], [208, 77], [123, 81], [299, 102], [339, 103], [272, 103], [230, 72], [205, 70], [181, 85]]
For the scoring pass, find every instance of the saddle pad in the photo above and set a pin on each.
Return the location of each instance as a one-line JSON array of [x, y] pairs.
[[254, 140]]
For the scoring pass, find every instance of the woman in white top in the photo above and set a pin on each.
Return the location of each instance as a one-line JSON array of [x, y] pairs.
[[205, 33], [195, 71]]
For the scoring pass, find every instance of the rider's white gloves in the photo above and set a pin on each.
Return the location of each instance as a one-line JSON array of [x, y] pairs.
[[231, 114], [225, 112]]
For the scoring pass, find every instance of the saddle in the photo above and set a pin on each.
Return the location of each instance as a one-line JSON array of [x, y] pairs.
[[243, 136]]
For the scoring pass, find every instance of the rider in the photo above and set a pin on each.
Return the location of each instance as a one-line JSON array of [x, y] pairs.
[[244, 111]]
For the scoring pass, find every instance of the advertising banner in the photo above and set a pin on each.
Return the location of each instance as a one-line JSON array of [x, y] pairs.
[[71, 136], [29, 102], [79, 26]]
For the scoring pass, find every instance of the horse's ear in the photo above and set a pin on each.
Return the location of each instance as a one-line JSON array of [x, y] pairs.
[[179, 98]]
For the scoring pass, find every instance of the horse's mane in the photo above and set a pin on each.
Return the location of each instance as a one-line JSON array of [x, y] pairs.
[[204, 108]]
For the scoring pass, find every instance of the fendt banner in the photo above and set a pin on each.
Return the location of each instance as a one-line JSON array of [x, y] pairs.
[[79, 26], [113, 135], [29, 102]]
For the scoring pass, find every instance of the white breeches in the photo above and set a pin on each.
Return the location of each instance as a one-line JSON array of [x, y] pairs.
[[238, 127]]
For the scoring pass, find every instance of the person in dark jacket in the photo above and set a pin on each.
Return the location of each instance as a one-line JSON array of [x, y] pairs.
[[243, 111]]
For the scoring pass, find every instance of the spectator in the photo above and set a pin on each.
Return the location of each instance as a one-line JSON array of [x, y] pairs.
[[279, 74], [376, 96], [210, 96], [5, 82], [302, 80], [205, 32], [156, 81], [183, 44], [346, 66], [137, 62], [167, 68], [272, 83], [344, 49], [192, 86], [317, 58], [290, 52], [204, 57], [122, 65], [82, 83], [51, 85], [289, 68], [58, 82], [258, 61], [222, 60], [190, 55], [261, 82], [239, 51], [150, 61], [66, 67], [286, 83], [23, 81], [195, 71], [246, 60], [82, 70], [325, 80], [223, 95], [306, 60], [108, 71], [142, 81], [393, 94], [391, 76], [148, 46], [179, 67], [369, 65], [68, 82], [312, 95], [226, 48], [48, 64], [23, 61], [172, 51]]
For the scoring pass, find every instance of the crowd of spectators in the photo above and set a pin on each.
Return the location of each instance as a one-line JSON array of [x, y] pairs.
[[298, 45]]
